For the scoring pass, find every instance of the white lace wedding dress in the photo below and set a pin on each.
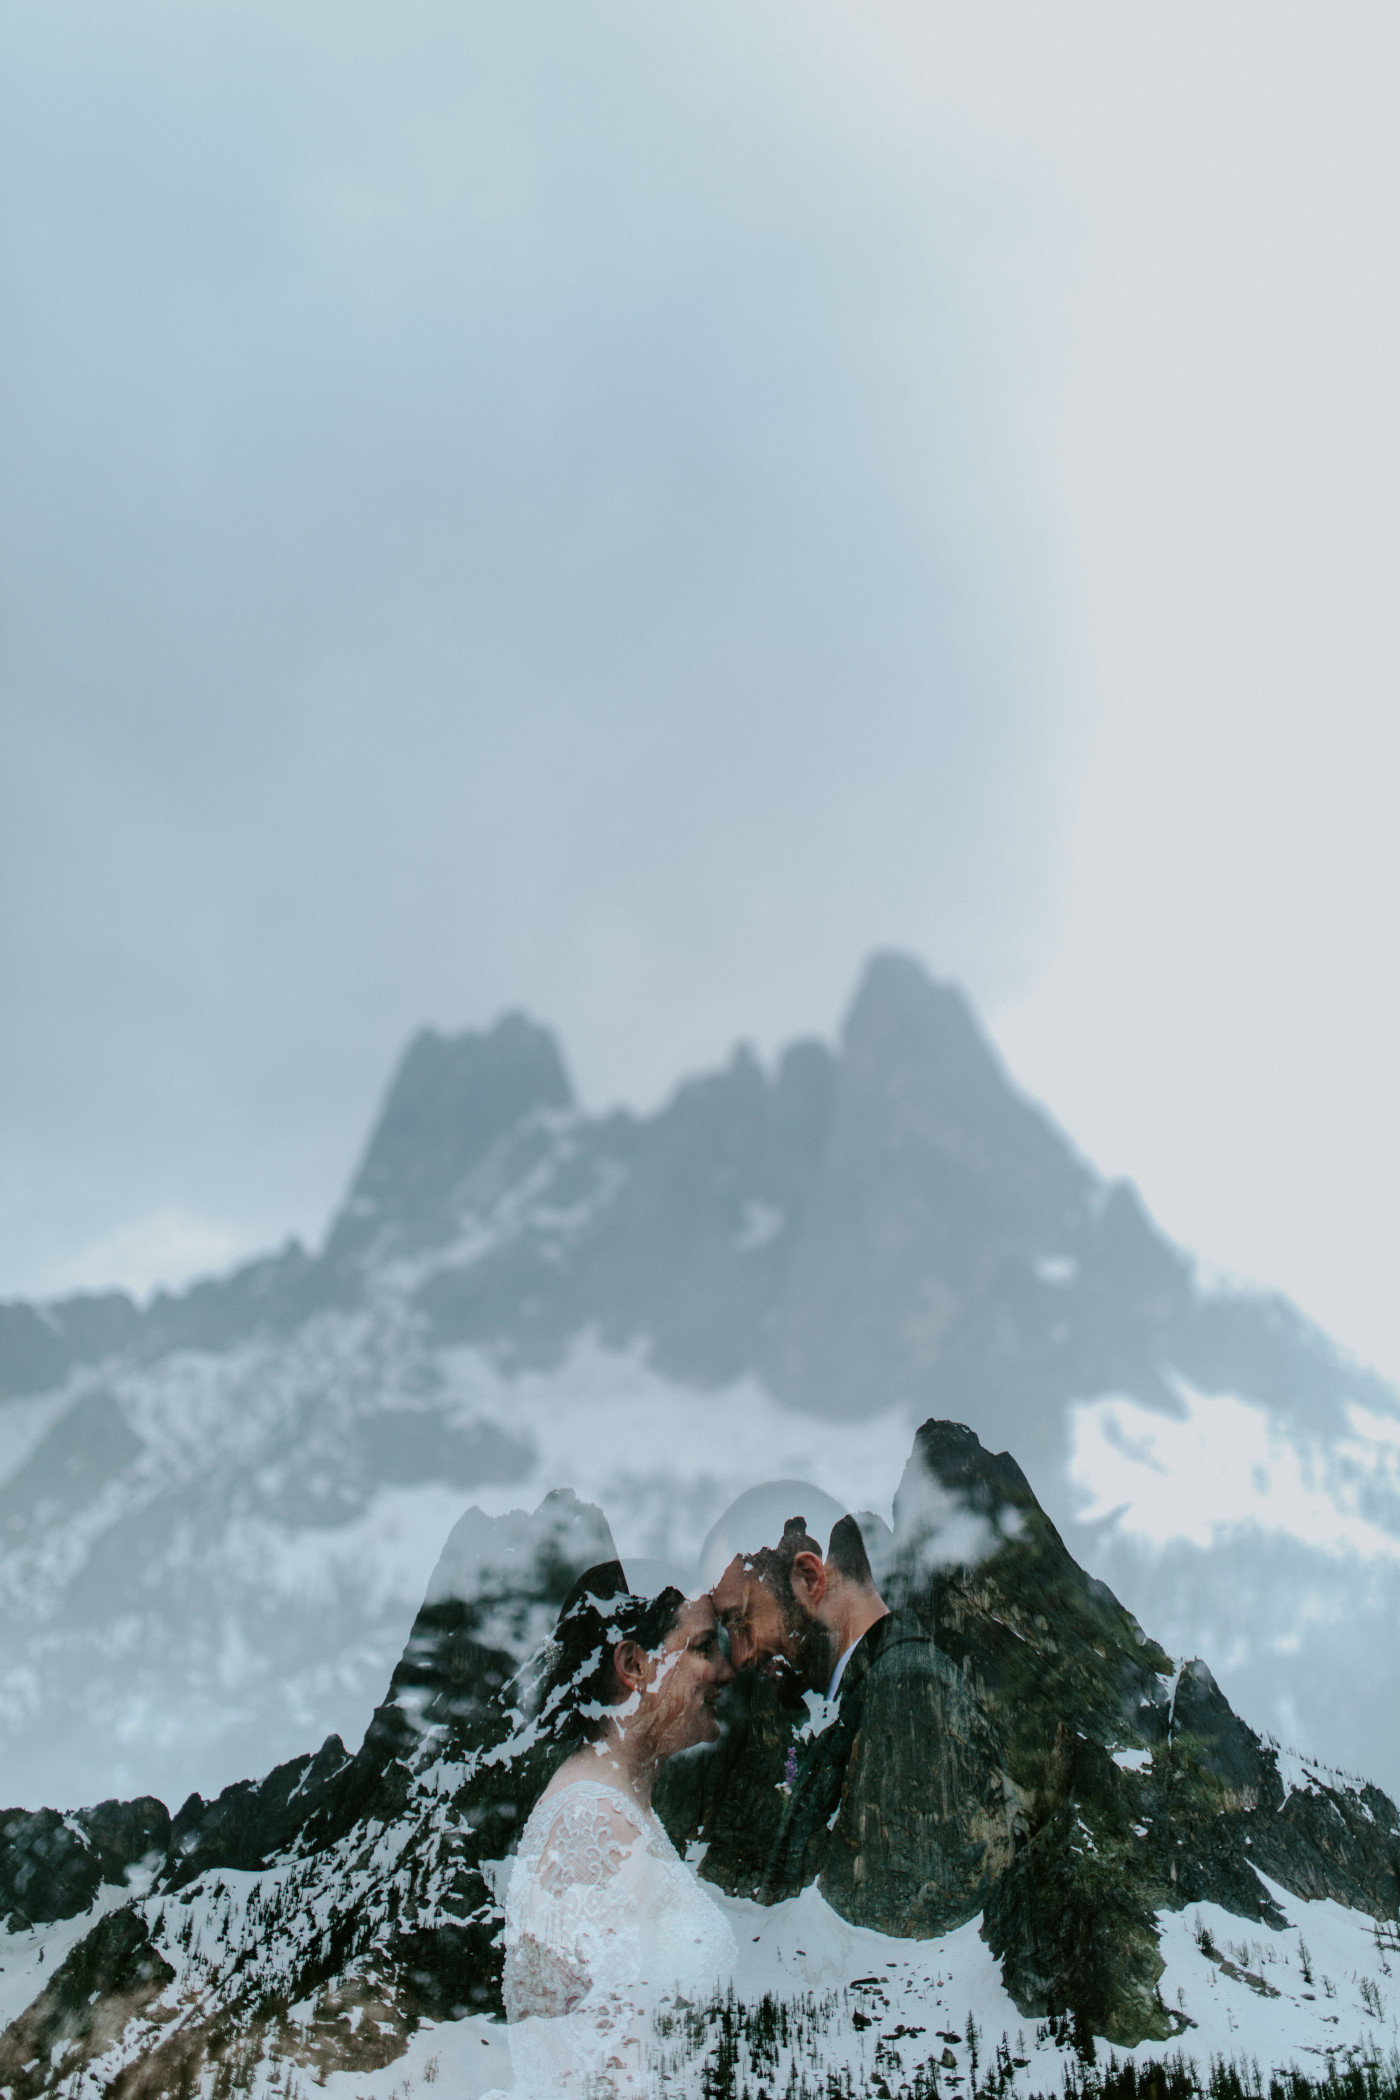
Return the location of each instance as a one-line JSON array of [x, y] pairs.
[[603, 1919]]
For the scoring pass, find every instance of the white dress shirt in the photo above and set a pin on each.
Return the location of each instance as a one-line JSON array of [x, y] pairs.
[[840, 1670]]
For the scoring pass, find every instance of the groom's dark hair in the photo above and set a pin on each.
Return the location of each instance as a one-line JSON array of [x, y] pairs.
[[773, 1564], [846, 1552]]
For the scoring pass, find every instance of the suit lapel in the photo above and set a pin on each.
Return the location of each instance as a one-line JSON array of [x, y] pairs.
[[821, 1773]]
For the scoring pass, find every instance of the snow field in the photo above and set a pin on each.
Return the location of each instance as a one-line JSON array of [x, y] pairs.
[[1324, 1989]]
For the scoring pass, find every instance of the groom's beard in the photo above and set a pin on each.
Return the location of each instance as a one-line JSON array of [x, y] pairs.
[[809, 1648]]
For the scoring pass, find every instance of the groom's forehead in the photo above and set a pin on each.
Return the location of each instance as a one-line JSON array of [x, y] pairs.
[[737, 1586]]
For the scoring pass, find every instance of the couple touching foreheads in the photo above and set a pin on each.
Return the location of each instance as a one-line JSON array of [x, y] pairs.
[[882, 1802]]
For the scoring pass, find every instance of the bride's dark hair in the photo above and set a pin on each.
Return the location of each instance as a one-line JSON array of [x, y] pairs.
[[577, 1683]]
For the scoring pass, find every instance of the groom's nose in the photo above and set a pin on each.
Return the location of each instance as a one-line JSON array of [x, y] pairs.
[[742, 1647]]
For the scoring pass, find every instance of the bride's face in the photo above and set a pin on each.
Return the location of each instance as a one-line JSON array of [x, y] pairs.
[[678, 1703]]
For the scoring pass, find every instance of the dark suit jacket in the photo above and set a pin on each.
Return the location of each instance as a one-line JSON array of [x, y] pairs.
[[901, 1809]]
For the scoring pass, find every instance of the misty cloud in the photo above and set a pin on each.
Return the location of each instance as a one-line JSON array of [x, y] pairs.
[[501, 505]]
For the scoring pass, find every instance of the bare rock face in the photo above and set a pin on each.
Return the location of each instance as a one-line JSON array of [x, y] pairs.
[[113, 1979], [938, 1184], [1070, 1679], [1073, 1935], [51, 1866], [890, 1221], [1142, 1790], [1333, 1840], [452, 1100]]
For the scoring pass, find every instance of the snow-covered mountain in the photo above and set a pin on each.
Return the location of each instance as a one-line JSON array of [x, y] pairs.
[[1176, 1883], [218, 1513]]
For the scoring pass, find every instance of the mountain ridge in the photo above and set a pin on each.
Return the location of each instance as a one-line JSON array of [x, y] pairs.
[[213, 1511], [902, 1198]]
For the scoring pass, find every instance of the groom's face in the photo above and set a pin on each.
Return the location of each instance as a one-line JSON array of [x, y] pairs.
[[771, 1633]]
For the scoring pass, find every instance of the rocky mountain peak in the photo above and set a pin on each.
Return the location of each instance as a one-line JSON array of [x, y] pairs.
[[902, 1020], [920, 1078], [988, 1482], [451, 1100], [939, 1185]]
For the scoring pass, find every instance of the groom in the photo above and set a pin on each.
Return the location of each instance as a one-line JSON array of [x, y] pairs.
[[899, 1804]]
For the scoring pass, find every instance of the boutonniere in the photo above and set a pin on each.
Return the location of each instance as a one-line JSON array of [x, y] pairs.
[[789, 1778]]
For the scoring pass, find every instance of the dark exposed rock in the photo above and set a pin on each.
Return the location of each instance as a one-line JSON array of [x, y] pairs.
[[451, 1100], [252, 1821], [1075, 1934], [1043, 1642], [69, 1467], [48, 1869], [1072, 1685], [493, 1596], [51, 1865], [422, 1926], [414, 1444], [938, 1177], [676, 1231], [110, 1978], [1333, 1841], [902, 1811], [33, 1352], [125, 1834], [39, 1346], [1226, 1758], [1071, 1682], [272, 1295]]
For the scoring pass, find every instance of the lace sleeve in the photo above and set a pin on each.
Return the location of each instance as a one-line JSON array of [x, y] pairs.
[[573, 1948]]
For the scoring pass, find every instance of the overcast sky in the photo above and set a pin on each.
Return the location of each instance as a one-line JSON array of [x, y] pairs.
[[622, 510]]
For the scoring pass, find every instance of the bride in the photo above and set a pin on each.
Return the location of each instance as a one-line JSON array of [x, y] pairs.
[[602, 1915]]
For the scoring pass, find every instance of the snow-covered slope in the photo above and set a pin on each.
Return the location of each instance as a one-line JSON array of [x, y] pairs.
[[1323, 1993], [241, 1585], [217, 1514], [1179, 1886]]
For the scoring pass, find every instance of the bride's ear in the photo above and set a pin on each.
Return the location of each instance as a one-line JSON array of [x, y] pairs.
[[632, 1664]]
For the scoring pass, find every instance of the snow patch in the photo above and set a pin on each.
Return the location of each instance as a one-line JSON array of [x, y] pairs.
[[29, 1960], [661, 1460], [1226, 1465], [1133, 1760]]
